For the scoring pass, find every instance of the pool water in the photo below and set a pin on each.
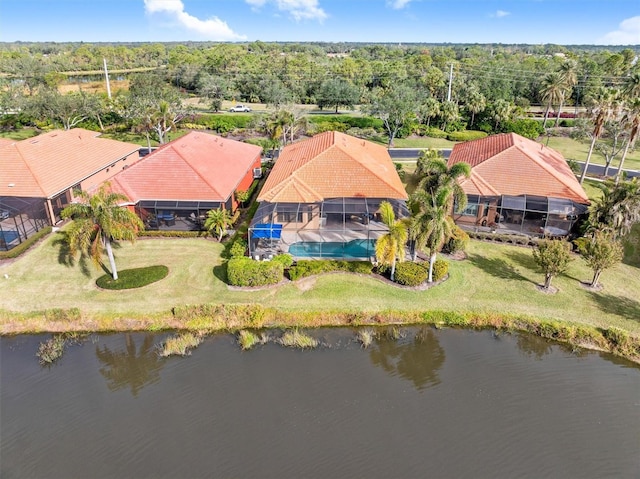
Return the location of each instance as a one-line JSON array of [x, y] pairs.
[[361, 248], [8, 236]]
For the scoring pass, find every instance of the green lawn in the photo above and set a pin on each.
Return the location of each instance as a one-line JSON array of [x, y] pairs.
[[577, 150], [21, 134], [496, 278]]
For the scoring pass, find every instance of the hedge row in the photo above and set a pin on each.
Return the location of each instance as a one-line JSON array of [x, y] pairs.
[[221, 123], [25, 245], [348, 121], [465, 135], [243, 271], [305, 268], [510, 239]]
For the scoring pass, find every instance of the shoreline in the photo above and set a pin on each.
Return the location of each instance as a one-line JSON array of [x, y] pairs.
[[231, 318]]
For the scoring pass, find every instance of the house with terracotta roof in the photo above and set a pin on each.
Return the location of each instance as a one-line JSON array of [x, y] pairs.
[[38, 176], [322, 197], [518, 186], [174, 186]]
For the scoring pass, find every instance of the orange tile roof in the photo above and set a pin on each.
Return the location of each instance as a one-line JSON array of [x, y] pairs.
[[332, 165], [196, 167], [509, 164], [6, 142], [50, 163]]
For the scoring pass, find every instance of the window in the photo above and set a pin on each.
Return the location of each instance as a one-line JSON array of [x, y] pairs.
[[470, 210], [289, 217]]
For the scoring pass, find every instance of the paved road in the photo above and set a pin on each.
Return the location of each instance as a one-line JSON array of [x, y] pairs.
[[413, 153]]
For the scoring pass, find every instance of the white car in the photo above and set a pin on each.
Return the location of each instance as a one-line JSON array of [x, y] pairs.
[[240, 109]]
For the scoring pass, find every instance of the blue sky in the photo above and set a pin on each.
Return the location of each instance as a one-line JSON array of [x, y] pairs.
[[609, 22]]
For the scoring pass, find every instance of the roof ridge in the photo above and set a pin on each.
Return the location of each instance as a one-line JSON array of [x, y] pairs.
[[480, 179], [28, 165], [360, 161], [550, 169], [183, 158]]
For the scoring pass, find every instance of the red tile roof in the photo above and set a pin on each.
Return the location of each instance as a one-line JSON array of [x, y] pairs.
[[196, 167], [50, 163], [332, 165], [509, 164]]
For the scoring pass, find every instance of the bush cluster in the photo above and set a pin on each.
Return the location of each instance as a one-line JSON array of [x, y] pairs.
[[409, 273], [347, 121], [222, 123], [528, 128], [25, 245], [307, 267], [432, 132], [458, 242], [243, 271], [440, 269], [520, 240]]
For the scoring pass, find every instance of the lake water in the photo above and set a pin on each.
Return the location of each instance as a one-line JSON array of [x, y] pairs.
[[435, 403]]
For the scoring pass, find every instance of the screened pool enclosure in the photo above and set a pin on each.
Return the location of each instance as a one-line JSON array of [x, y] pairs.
[[340, 228], [525, 214]]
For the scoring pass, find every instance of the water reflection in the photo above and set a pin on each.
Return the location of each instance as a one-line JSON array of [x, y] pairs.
[[533, 346], [131, 367], [417, 359]]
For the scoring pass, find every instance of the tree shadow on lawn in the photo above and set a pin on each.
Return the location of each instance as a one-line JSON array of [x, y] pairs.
[[497, 267], [220, 272], [65, 257], [618, 305]]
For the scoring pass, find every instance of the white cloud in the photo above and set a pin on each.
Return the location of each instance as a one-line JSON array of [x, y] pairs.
[[628, 33], [398, 4], [212, 28], [500, 14], [298, 9]]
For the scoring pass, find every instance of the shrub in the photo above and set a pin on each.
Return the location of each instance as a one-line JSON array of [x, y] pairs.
[[458, 242], [307, 267], [25, 245], [434, 132], [51, 350], [180, 344], [133, 278], [528, 128], [466, 135], [248, 339], [410, 274], [238, 248], [222, 123], [296, 339], [285, 259], [440, 269], [243, 271], [618, 338]]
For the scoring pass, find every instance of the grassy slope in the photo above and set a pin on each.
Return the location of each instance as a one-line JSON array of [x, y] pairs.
[[495, 278], [576, 150]]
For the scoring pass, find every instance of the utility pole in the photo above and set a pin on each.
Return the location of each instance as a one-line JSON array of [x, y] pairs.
[[106, 74], [450, 81]]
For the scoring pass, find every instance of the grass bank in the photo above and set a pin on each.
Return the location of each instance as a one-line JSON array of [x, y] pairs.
[[493, 278]]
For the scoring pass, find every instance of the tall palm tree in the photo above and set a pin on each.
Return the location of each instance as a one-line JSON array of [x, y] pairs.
[[569, 75], [631, 118], [618, 209], [501, 111], [432, 226], [217, 221], [436, 175], [475, 103], [97, 220], [602, 102], [552, 92], [390, 247]]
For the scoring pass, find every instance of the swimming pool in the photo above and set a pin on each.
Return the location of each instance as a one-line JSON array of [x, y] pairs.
[[361, 248]]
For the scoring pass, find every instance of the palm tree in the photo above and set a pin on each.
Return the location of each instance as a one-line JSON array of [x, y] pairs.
[[618, 209], [217, 222], [568, 72], [390, 247], [475, 103], [552, 92], [432, 226], [603, 102], [436, 175], [98, 220], [632, 118], [501, 111]]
